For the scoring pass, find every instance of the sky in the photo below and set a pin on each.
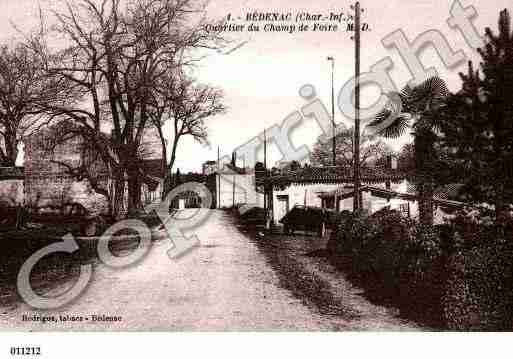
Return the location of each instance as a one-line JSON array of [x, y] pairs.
[[261, 79]]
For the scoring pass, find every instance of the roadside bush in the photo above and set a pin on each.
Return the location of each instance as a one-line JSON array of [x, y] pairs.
[[479, 290], [458, 275], [395, 256]]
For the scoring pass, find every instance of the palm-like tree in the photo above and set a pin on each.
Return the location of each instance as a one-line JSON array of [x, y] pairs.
[[417, 108]]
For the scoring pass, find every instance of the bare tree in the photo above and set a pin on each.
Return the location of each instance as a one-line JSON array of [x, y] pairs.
[[24, 87], [115, 57], [187, 105]]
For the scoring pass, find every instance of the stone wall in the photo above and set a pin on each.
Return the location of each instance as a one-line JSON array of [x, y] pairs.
[[49, 188]]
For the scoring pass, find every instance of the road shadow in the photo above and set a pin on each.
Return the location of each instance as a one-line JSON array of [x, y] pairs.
[[303, 283]]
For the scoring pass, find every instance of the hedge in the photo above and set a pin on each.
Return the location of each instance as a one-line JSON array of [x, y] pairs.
[[457, 276]]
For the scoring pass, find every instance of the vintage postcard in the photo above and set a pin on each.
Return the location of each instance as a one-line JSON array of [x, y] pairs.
[[255, 166]]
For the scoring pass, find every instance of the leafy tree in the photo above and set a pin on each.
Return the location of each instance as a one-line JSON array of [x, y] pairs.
[[479, 138], [371, 149], [420, 112]]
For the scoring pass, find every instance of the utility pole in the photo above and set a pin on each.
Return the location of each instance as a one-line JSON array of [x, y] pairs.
[[265, 173], [357, 201], [265, 151], [233, 194], [267, 202], [218, 178], [332, 60]]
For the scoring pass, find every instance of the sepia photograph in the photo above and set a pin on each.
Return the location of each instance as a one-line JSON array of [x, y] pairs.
[[255, 166]]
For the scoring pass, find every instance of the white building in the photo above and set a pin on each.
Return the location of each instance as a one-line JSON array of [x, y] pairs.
[[310, 187], [233, 186], [401, 198]]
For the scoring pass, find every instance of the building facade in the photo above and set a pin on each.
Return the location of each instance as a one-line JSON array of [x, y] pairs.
[[401, 198], [53, 185], [233, 186], [308, 186]]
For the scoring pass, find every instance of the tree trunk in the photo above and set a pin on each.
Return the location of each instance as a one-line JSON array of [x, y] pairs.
[[426, 203], [134, 192], [11, 151], [423, 149], [165, 171], [3, 159], [173, 153], [118, 189], [164, 149]]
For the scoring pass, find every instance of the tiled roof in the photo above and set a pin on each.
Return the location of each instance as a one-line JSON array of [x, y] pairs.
[[348, 192], [334, 175]]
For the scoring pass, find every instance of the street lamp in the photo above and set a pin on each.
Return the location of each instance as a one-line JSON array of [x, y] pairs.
[[332, 60], [357, 199]]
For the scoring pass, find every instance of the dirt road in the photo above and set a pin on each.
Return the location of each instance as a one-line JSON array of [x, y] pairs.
[[226, 284]]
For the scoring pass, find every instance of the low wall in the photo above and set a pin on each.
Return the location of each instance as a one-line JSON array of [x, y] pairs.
[[62, 195]]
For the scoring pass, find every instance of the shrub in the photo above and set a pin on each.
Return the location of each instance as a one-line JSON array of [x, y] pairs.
[[479, 289], [459, 275], [396, 255]]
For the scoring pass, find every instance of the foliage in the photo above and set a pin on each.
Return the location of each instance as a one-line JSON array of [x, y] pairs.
[[458, 275], [479, 289], [371, 150], [393, 253], [478, 139], [419, 109]]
